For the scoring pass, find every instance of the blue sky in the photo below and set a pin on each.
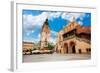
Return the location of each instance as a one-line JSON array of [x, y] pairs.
[[34, 19]]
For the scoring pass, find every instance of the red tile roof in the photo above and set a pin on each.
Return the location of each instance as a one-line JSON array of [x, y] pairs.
[[84, 29]]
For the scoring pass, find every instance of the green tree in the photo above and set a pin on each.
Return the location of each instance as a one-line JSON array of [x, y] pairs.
[[30, 51], [50, 46]]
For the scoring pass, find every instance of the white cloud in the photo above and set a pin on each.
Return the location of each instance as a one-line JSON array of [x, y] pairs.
[[70, 16], [53, 37], [65, 15], [30, 23], [52, 40], [88, 15], [80, 22], [52, 15], [81, 18], [30, 20], [32, 40], [38, 35], [27, 33], [27, 40], [32, 31], [40, 19], [34, 20], [36, 40], [53, 32]]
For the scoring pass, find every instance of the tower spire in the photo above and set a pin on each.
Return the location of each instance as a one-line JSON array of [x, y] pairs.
[[46, 21], [44, 34], [72, 19]]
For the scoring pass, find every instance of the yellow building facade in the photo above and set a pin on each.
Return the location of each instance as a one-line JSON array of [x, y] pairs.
[[28, 46], [74, 38]]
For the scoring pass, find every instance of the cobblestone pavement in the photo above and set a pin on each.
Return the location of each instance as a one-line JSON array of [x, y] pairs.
[[55, 57]]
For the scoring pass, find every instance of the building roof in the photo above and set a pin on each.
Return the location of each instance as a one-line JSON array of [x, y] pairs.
[[83, 29], [45, 26], [71, 26], [79, 29], [28, 43], [45, 23]]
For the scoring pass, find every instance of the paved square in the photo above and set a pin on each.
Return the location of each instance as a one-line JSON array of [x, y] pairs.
[[55, 57]]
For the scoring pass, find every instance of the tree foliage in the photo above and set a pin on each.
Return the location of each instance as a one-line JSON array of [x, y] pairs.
[[50, 46]]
